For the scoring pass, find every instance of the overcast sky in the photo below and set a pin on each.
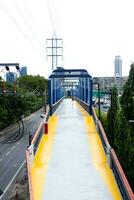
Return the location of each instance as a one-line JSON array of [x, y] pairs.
[[93, 32]]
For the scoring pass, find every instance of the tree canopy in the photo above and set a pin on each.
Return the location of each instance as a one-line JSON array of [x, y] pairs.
[[123, 128], [127, 99], [111, 116], [30, 96]]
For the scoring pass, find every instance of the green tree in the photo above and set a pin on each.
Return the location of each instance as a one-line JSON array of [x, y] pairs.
[[124, 145], [127, 104], [121, 137], [127, 99], [35, 84], [111, 116], [30, 97]]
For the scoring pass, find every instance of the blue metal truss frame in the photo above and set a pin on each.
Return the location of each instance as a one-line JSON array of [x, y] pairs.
[[84, 90]]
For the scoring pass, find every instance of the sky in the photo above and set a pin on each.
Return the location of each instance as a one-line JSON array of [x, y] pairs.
[[93, 33]]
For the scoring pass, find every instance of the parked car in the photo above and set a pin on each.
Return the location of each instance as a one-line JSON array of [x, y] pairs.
[[106, 105]]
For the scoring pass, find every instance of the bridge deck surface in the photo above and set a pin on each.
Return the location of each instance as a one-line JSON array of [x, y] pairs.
[[70, 163]]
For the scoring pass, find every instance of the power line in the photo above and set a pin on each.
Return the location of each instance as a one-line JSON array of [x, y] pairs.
[[31, 16], [18, 26], [26, 21], [51, 16]]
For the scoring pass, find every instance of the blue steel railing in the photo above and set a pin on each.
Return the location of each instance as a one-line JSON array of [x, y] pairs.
[[56, 105], [85, 105], [55, 94]]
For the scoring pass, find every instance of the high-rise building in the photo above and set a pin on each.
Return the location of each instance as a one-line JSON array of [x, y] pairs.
[[23, 71], [117, 67], [11, 77]]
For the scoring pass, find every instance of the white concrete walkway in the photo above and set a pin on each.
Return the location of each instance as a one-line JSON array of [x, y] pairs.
[[71, 174]]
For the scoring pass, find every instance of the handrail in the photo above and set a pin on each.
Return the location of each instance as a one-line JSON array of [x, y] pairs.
[[103, 133], [58, 101], [40, 127], [82, 103], [115, 165], [94, 114], [54, 106], [129, 194], [47, 113], [33, 142], [29, 174], [37, 133]]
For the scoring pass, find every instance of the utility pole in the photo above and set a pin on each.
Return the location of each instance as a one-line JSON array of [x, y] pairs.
[[54, 50]]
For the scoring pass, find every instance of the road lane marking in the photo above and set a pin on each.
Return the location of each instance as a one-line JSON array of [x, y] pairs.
[[3, 168], [8, 153], [4, 146], [1, 159], [6, 189], [13, 148], [15, 165]]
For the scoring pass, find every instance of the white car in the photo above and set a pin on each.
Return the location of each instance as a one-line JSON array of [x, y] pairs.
[[42, 115]]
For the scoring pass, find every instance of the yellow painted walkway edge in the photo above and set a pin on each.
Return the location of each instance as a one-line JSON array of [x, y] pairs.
[[40, 163], [98, 155]]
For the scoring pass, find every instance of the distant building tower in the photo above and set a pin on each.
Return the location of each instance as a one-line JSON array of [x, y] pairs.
[[11, 77], [117, 67], [23, 71]]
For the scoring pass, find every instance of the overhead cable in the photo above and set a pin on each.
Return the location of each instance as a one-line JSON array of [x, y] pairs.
[[19, 27], [51, 15], [26, 21], [31, 16]]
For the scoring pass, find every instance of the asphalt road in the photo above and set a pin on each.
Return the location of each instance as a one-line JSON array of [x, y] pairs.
[[12, 155]]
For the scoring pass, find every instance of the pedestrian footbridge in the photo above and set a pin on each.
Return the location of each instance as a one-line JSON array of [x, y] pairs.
[[70, 157]]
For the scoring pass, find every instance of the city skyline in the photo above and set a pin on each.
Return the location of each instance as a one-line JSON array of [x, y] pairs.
[[24, 70]]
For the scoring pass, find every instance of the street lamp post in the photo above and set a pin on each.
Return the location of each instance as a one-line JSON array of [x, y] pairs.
[[98, 88]]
